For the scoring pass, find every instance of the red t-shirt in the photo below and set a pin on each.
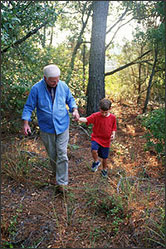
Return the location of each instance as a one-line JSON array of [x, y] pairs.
[[102, 128]]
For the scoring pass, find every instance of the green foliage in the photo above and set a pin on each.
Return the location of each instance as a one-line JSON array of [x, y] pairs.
[[20, 17], [156, 35], [22, 66], [72, 20], [157, 231], [73, 146], [113, 86], [110, 207], [154, 122], [13, 98], [12, 102]]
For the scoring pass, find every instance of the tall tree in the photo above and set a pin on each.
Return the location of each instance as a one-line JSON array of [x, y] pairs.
[[150, 81], [96, 83]]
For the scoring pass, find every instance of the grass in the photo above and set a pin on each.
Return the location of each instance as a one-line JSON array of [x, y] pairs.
[[111, 208], [25, 168], [95, 212], [156, 230]]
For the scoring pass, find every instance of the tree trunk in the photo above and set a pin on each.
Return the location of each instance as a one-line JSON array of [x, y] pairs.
[[83, 60], [51, 36], [139, 81], [96, 83], [150, 82]]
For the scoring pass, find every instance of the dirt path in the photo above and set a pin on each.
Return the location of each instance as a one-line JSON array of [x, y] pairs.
[[96, 212]]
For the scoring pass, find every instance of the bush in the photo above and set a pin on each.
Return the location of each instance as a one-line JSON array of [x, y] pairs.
[[12, 102], [154, 122]]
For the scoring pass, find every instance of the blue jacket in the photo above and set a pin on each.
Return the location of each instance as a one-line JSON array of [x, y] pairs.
[[52, 117]]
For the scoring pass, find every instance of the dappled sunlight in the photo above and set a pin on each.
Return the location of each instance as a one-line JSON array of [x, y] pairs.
[[35, 146]]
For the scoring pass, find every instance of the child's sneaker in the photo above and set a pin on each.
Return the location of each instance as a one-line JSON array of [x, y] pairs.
[[104, 173], [95, 166]]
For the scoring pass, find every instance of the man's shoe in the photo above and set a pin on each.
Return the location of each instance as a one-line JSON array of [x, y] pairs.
[[95, 166], [104, 173]]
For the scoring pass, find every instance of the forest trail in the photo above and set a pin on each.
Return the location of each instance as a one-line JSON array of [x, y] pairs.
[[35, 216]]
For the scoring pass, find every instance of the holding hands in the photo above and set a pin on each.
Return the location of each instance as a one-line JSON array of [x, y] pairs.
[[75, 114]]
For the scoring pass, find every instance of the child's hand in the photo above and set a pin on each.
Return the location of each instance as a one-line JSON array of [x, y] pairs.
[[113, 135], [82, 119]]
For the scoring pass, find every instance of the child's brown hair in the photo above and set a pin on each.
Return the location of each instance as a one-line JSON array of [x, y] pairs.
[[105, 104]]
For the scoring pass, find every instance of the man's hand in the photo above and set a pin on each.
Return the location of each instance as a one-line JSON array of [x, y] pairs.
[[26, 128], [75, 114]]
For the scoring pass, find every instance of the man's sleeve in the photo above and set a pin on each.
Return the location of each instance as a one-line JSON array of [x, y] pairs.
[[30, 105], [71, 101]]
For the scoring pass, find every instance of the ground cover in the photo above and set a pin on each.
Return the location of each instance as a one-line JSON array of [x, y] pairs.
[[125, 210]]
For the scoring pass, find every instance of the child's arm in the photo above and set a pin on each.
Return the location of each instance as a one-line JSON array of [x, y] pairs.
[[84, 120]]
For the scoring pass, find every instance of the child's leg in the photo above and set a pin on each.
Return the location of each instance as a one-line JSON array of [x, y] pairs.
[[94, 150], [104, 163], [95, 155], [104, 152], [104, 171], [96, 162]]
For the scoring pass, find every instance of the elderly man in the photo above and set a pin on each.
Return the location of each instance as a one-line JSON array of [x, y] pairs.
[[50, 96]]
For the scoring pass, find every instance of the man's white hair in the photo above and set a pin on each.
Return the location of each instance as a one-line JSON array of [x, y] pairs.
[[51, 71]]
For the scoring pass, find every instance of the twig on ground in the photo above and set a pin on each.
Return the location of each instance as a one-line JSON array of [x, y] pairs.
[[84, 130], [125, 178], [32, 154]]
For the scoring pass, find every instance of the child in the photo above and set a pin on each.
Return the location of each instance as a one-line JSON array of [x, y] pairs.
[[104, 127]]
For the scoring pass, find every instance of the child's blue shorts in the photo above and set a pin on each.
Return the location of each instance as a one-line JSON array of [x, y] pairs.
[[103, 152]]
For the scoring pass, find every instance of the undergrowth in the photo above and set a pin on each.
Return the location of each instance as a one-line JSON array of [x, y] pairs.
[[100, 211]]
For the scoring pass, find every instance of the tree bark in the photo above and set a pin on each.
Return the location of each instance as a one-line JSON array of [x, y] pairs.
[[83, 61], [150, 82], [139, 80], [96, 82], [51, 36]]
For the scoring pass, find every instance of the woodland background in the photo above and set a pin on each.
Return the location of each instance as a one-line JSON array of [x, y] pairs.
[[135, 83]]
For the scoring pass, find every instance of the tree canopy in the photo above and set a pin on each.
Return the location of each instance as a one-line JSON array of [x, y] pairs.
[[28, 43]]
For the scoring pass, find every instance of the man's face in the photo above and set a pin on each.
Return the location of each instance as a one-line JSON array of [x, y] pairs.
[[52, 81], [104, 113]]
